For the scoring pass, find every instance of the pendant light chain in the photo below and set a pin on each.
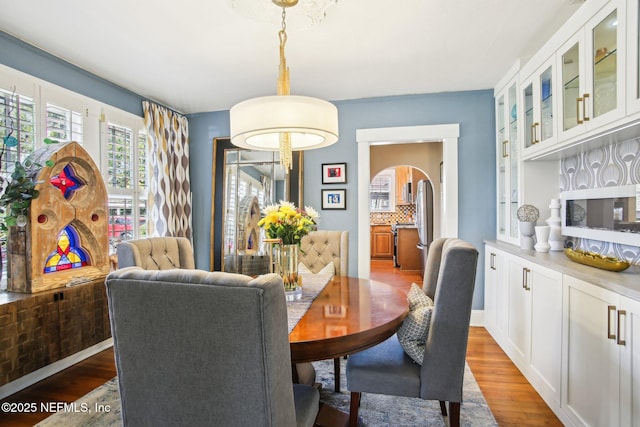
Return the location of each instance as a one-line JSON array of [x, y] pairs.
[[286, 156]]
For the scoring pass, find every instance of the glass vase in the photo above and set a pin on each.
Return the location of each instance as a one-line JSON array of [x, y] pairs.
[[286, 265]]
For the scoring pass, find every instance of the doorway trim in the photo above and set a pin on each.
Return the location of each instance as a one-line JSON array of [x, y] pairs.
[[365, 138]]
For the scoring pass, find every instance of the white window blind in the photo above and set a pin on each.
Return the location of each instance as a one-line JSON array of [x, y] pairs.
[[18, 118], [119, 156], [64, 124]]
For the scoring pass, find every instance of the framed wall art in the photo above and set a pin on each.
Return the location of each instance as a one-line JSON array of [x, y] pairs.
[[334, 199], [334, 173]]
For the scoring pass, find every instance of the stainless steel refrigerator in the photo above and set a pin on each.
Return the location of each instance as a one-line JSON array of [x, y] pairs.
[[424, 217]]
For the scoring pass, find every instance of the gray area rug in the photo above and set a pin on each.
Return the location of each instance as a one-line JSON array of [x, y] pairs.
[[103, 406]]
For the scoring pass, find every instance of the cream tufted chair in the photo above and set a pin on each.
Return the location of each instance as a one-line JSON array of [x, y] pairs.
[[156, 253], [319, 248]]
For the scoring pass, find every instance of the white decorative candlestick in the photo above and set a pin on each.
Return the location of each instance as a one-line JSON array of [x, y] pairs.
[[556, 242]]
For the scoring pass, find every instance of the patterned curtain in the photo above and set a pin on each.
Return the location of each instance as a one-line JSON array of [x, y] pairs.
[[169, 208]]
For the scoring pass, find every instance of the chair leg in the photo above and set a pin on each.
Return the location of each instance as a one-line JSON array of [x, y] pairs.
[[353, 409], [443, 408], [454, 414], [336, 374]]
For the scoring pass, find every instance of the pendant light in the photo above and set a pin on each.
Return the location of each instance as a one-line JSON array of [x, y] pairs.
[[284, 122]]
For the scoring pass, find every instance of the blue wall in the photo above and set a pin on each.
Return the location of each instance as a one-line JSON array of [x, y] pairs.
[[21, 56], [474, 111]]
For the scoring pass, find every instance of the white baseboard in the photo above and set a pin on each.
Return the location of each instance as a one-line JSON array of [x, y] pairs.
[[477, 318], [42, 373]]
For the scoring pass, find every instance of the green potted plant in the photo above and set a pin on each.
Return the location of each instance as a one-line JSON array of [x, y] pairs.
[[18, 194]]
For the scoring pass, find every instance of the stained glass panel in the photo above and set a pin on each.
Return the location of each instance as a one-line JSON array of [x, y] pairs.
[[68, 253]]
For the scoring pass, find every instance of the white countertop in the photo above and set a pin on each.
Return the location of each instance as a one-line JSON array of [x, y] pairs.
[[626, 283]]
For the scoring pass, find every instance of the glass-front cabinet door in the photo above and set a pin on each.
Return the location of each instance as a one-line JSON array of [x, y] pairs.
[[507, 162], [538, 103], [591, 67], [633, 57]]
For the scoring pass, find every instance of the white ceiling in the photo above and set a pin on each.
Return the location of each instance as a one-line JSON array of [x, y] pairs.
[[200, 55]]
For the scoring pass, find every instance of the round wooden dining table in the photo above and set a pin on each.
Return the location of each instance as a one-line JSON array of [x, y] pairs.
[[347, 316]]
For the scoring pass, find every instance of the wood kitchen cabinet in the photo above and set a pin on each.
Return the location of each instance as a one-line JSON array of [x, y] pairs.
[[381, 242], [408, 253], [404, 176]]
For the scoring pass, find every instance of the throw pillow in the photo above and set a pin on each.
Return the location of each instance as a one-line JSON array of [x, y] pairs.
[[412, 335], [328, 269], [416, 297]]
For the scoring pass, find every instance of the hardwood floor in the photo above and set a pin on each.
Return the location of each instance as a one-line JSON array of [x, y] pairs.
[[511, 398]]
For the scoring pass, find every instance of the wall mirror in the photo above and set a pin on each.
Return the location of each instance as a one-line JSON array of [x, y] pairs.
[[243, 183]]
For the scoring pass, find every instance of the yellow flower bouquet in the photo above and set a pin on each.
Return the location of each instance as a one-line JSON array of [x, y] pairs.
[[286, 222], [288, 225]]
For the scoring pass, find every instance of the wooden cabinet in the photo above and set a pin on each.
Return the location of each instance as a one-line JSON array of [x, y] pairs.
[[403, 176], [42, 328], [407, 175], [381, 242], [409, 256]]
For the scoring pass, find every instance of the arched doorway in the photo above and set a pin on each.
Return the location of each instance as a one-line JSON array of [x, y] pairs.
[[448, 134]]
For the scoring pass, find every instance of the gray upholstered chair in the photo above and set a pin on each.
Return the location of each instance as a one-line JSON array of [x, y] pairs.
[[317, 250], [449, 280], [156, 253], [196, 348]]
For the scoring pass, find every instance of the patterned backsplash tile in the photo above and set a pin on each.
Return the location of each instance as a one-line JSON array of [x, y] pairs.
[[609, 166], [402, 214]]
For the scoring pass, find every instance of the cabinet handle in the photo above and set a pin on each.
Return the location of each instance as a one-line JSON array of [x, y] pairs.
[[505, 152], [611, 308], [578, 101], [525, 279], [492, 261], [584, 107], [535, 134], [621, 313]]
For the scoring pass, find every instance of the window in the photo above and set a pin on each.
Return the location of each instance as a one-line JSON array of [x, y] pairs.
[[64, 124], [17, 120], [115, 140], [126, 179], [382, 192]]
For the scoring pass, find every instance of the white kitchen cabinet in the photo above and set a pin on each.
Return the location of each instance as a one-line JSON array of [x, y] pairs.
[[592, 73], [507, 159], [519, 309], [495, 299], [591, 365], [545, 287], [538, 103], [629, 339], [633, 57], [535, 316]]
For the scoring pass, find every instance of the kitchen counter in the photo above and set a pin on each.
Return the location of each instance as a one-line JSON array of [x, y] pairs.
[[625, 283]]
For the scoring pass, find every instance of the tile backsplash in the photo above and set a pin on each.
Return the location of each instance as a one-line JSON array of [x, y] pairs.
[[403, 214], [612, 165]]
